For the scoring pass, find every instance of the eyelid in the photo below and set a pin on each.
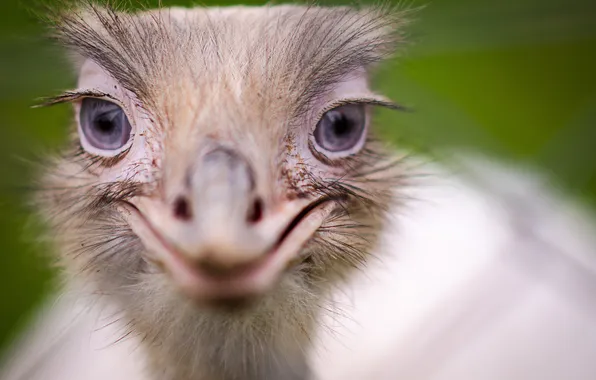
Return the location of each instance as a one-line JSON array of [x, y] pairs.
[[76, 95], [373, 101]]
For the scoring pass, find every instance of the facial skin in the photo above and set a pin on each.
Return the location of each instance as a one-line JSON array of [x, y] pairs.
[[224, 156]]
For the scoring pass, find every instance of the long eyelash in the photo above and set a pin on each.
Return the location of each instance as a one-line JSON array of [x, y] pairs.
[[73, 96], [365, 101]]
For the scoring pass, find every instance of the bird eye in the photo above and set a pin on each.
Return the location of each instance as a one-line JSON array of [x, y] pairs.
[[104, 124], [341, 128]]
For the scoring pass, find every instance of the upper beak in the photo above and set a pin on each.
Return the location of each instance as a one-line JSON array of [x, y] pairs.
[[210, 239]]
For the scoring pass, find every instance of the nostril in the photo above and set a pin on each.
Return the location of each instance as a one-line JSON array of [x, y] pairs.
[[182, 209], [256, 211]]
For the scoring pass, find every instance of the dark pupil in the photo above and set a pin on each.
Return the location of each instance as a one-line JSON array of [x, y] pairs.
[[107, 126], [340, 126], [104, 124]]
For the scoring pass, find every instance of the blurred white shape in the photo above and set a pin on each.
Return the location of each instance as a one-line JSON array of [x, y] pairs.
[[75, 339], [489, 276]]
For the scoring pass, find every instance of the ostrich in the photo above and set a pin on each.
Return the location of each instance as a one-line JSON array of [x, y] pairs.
[[223, 211]]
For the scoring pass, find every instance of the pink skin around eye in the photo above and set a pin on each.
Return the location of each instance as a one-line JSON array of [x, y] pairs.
[[142, 152]]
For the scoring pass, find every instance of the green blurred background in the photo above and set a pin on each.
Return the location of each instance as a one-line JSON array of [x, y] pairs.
[[512, 78]]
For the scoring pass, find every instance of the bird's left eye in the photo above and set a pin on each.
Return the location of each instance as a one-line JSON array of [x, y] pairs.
[[104, 124], [342, 128]]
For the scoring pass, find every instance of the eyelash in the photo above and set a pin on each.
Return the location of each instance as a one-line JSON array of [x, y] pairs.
[[365, 101], [74, 97]]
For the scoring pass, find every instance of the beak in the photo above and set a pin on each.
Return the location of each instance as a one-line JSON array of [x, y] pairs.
[[215, 241]]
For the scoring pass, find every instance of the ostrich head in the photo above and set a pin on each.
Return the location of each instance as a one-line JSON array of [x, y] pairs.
[[222, 174]]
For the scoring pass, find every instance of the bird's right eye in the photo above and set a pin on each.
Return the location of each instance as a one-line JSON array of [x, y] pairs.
[[104, 124]]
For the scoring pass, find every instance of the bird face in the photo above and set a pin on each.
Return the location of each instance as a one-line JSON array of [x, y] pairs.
[[222, 154]]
